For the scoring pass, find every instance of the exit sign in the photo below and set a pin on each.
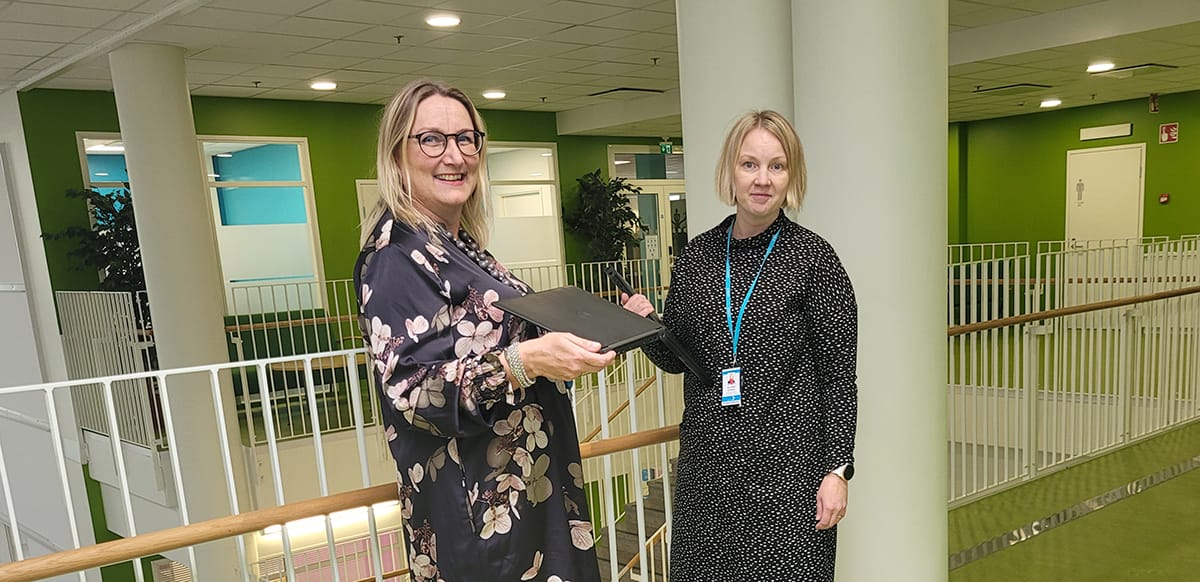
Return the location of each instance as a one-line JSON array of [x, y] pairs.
[[665, 147]]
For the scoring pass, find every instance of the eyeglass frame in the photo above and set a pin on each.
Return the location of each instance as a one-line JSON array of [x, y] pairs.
[[446, 143]]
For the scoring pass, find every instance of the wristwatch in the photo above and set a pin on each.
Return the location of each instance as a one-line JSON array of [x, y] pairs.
[[845, 472]]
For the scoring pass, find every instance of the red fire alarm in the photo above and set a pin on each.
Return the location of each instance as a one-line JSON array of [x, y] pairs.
[[1164, 198]]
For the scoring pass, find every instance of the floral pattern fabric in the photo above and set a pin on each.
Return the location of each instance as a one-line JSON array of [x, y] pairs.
[[488, 474]]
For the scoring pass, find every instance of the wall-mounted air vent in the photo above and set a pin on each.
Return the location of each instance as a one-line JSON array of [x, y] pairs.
[[1142, 69], [1015, 89], [624, 90]]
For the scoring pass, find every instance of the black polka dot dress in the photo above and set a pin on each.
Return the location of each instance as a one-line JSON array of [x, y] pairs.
[[745, 507]]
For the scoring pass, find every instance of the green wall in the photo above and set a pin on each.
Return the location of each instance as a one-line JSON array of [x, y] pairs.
[[341, 141], [579, 155], [1015, 175]]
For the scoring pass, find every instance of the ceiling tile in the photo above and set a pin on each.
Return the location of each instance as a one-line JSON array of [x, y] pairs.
[[392, 66], [503, 8], [15, 61], [571, 12], [227, 91], [586, 35], [602, 53], [642, 20], [538, 48], [236, 55], [226, 19], [277, 42], [519, 27], [350, 48], [40, 32], [30, 13], [316, 27], [646, 41], [188, 36], [361, 11], [268, 6], [472, 42], [104, 4]]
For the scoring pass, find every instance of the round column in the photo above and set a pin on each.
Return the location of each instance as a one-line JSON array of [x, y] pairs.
[[870, 89], [183, 277], [733, 57]]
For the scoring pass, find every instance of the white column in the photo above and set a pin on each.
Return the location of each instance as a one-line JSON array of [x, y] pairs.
[[32, 354], [733, 57], [183, 278], [871, 109]]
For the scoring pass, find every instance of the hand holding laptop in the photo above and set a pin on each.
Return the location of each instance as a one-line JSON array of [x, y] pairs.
[[563, 356]]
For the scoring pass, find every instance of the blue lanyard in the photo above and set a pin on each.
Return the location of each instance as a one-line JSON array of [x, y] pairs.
[[735, 331]]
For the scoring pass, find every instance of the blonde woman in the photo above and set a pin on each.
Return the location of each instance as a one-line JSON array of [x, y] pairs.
[[767, 438], [474, 404]]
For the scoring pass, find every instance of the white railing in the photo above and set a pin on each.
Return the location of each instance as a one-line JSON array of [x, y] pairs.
[[363, 544], [104, 333], [1030, 398]]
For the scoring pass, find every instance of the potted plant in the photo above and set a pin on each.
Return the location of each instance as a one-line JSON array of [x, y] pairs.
[[110, 245], [603, 216]]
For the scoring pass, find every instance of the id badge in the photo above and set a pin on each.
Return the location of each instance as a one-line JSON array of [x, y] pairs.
[[731, 386]]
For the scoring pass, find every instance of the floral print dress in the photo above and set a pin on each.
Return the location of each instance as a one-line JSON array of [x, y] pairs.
[[489, 476]]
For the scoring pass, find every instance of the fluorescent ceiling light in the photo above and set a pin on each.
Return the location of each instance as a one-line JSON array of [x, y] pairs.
[[443, 20], [619, 162], [535, 174], [324, 85], [101, 173], [1050, 102], [106, 147], [1100, 67], [225, 155], [674, 197], [546, 154], [494, 94]]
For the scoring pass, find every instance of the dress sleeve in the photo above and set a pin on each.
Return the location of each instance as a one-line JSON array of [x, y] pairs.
[[657, 352], [436, 363], [834, 324]]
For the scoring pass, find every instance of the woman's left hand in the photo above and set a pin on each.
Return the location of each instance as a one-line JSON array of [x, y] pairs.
[[831, 501]]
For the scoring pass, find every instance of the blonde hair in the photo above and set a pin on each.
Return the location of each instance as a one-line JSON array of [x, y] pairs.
[[395, 185], [778, 126]]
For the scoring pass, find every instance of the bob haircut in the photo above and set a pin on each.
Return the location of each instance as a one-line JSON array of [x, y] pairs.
[[391, 163], [777, 125]]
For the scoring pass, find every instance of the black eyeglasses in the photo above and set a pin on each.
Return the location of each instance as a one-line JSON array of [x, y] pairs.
[[433, 143]]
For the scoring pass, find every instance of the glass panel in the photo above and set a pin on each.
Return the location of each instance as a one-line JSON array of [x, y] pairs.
[[648, 235], [254, 162], [679, 236], [520, 163], [523, 200], [649, 166], [262, 205], [106, 167]]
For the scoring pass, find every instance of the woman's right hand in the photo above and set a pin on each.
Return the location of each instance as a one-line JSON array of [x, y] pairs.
[[638, 304], [562, 356]]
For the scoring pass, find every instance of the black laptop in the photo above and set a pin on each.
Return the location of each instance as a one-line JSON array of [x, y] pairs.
[[573, 310]]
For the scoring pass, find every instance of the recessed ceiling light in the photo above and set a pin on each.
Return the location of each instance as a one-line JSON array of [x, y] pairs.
[[443, 20], [1100, 67], [1051, 102], [324, 85], [494, 94]]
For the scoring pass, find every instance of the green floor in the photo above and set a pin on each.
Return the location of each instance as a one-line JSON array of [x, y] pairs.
[[1154, 535]]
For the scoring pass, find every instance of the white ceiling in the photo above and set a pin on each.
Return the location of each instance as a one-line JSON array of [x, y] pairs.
[[553, 55]]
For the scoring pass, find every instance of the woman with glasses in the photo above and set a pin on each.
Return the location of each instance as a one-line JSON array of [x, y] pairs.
[[474, 402]]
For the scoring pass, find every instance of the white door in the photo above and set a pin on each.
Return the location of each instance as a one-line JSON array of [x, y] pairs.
[[368, 196], [1104, 193]]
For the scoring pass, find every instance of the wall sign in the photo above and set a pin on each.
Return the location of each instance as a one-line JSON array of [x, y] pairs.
[[1168, 132]]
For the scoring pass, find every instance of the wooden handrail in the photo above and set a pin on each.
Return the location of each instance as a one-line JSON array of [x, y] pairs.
[[613, 415], [1073, 310], [123, 550], [265, 325], [658, 535]]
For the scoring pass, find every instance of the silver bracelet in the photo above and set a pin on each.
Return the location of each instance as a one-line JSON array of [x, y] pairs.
[[516, 366]]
